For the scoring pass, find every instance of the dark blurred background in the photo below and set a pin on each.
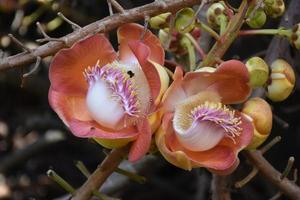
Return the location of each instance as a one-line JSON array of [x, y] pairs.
[[33, 139]]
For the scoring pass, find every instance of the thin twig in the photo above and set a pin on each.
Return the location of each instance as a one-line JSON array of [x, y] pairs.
[[83, 169], [268, 146], [288, 168], [47, 38], [254, 172], [279, 194], [73, 24], [34, 69], [26, 49], [98, 177], [18, 42], [117, 6], [110, 9], [286, 186], [103, 25], [131, 175], [247, 179], [59, 180]]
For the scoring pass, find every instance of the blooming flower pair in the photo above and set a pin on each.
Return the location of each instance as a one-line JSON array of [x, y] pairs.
[[125, 97]]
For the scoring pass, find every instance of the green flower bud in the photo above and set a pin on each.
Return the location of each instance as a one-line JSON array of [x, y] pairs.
[[185, 20], [295, 36], [261, 115], [160, 21], [274, 8], [216, 14], [282, 81], [258, 70], [257, 19]]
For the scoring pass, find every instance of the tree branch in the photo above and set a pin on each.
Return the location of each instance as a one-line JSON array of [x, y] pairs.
[[287, 187], [95, 180], [220, 187], [107, 24]]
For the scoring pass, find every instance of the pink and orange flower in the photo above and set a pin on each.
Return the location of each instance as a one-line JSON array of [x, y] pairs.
[[109, 96], [199, 128]]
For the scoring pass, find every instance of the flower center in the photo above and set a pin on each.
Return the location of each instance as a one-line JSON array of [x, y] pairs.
[[200, 127], [112, 97], [219, 114]]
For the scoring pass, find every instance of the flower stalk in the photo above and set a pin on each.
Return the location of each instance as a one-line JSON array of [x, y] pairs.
[[95, 180], [60, 181], [279, 32]]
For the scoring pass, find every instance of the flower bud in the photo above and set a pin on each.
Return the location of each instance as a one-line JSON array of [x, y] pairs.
[[274, 8], [160, 21], [261, 114], [258, 70], [185, 20], [216, 14], [282, 81], [257, 19], [295, 36], [206, 69]]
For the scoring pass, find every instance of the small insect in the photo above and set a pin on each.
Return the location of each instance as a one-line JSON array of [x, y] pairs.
[[130, 73]]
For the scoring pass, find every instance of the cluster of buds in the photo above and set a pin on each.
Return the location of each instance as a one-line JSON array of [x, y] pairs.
[[274, 8], [279, 83], [177, 32]]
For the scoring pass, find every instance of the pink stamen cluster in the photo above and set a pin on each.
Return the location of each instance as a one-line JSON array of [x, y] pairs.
[[220, 115], [119, 83]]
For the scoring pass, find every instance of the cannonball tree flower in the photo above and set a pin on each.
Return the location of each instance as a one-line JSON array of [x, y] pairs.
[[111, 97], [199, 128]]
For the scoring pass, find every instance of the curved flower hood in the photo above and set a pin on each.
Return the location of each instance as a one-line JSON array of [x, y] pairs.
[[110, 96], [199, 128]]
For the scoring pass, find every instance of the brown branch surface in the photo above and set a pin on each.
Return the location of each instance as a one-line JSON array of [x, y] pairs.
[[220, 187], [287, 187], [104, 25], [107, 167]]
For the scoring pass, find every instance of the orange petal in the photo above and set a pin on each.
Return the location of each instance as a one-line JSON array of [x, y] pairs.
[[67, 67], [177, 158], [230, 81], [234, 68], [226, 171], [133, 32], [217, 158], [175, 93], [67, 106], [88, 129], [142, 53], [142, 144]]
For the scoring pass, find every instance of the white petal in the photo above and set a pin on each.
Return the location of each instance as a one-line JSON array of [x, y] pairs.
[[103, 108], [201, 136]]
